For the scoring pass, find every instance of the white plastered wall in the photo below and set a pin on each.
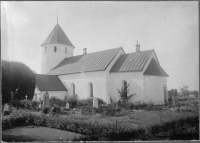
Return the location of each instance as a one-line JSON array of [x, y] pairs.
[[81, 80], [58, 94], [50, 59], [153, 85], [136, 85], [99, 79], [154, 88]]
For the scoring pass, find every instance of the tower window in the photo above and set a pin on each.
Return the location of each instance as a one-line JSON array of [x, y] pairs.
[[45, 49], [55, 49], [66, 50]]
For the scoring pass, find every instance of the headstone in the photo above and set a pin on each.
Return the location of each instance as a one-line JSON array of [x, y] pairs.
[[6, 109], [118, 104], [108, 99], [12, 96], [173, 100], [67, 106], [95, 103], [26, 97], [46, 100]]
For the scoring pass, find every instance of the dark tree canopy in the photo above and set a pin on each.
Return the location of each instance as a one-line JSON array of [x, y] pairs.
[[17, 78]]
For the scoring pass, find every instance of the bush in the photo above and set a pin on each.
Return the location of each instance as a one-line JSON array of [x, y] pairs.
[[98, 131], [56, 110], [73, 101], [45, 110], [54, 100], [89, 102], [87, 110], [24, 104]]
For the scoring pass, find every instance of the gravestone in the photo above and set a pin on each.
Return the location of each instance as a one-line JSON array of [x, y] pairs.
[[118, 104], [108, 100], [67, 106], [12, 96], [95, 103], [46, 100], [26, 97], [6, 109]]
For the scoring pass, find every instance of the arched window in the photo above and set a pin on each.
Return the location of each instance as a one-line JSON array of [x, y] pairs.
[[124, 85], [66, 50], [90, 89], [72, 88], [55, 49]]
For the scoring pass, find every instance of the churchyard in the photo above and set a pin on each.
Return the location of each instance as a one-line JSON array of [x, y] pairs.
[[93, 120]]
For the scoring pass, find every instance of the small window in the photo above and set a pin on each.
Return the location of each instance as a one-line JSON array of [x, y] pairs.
[[55, 49], [45, 49], [72, 89], [66, 50]]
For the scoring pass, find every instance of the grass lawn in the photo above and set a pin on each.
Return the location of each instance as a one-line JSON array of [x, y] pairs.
[[21, 134]]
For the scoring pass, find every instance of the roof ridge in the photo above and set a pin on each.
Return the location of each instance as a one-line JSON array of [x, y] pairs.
[[140, 51]]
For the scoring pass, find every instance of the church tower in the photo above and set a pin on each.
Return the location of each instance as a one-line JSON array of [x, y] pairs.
[[55, 49]]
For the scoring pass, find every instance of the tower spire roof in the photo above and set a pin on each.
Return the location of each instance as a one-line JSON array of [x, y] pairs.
[[58, 36]]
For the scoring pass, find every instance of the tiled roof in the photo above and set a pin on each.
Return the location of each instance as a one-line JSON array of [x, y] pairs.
[[57, 35], [155, 69], [84, 63], [131, 62], [49, 83]]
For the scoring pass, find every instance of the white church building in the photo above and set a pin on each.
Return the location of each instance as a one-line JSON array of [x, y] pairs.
[[98, 74]]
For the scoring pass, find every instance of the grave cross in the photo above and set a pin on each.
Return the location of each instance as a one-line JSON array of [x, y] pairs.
[[26, 97]]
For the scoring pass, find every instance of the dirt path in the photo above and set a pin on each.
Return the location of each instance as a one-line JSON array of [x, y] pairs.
[[37, 134]]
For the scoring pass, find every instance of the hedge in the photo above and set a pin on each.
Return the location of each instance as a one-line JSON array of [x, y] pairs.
[[96, 131]]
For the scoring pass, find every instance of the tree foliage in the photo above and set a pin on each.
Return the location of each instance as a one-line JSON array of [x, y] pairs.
[[184, 91], [171, 93], [17, 78], [195, 92], [124, 93]]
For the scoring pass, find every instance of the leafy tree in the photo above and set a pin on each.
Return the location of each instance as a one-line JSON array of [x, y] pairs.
[[171, 93], [17, 78], [184, 91], [124, 93], [195, 92]]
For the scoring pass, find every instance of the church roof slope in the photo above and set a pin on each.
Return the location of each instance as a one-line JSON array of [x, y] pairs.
[[131, 62], [58, 36], [96, 61], [155, 69], [49, 83]]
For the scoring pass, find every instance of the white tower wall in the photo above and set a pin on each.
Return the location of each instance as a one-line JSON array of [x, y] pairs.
[[50, 59]]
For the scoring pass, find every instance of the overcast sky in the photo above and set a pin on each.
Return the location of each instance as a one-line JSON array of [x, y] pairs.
[[170, 28]]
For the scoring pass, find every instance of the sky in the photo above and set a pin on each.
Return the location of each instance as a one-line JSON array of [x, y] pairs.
[[170, 28]]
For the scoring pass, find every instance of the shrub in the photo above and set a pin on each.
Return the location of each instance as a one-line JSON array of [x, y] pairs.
[[89, 102], [16, 103], [73, 101], [98, 131], [56, 110], [87, 110], [24, 104], [45, 110], [54, 100]]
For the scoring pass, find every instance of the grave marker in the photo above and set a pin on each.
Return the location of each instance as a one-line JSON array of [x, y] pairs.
[[67, 106], [46, 100], [95, 103]]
